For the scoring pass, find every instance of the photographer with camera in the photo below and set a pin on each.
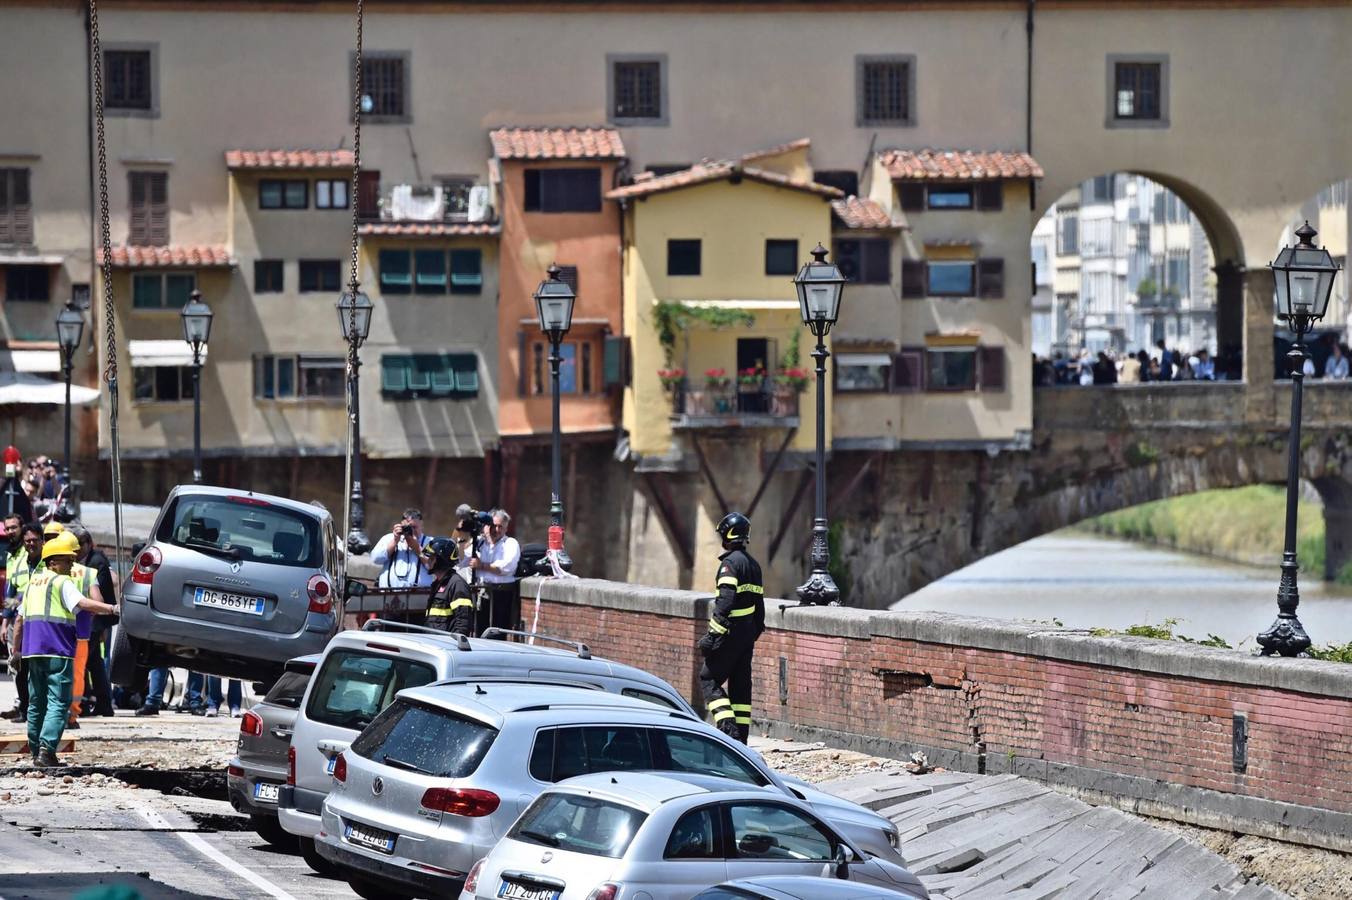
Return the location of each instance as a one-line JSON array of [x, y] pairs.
[[399, 554], [496, 567]]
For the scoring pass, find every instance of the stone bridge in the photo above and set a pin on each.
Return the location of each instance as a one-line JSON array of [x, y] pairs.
[[912, 517]]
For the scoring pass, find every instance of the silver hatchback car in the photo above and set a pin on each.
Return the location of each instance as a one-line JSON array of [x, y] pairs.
[[231, 583], [438, 778], [666, 836]]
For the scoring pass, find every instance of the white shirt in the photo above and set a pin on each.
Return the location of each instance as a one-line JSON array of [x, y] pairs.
[[500, 561], [404, 567]]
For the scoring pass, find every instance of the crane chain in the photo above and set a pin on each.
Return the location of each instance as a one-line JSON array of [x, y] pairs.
[[109, 307], [353, 363]]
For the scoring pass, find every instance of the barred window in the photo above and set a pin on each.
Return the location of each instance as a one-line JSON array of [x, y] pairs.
[[637, 89], [126, 80], [885, 90], [384, 85]]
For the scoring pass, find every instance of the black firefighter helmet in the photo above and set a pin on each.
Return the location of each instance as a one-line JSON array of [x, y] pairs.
[[734, 528], [441, 553]]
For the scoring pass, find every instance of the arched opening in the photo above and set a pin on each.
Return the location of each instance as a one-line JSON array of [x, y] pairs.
[[1126, 261], [1329, 213]]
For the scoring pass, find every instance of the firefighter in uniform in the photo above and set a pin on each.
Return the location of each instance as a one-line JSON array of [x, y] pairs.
[[736, 621], [449, 604]]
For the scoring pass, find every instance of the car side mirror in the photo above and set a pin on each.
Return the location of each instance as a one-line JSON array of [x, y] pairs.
[[353, 588], [843, 862]]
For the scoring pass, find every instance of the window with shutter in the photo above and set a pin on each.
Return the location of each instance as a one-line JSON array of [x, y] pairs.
[[913, 277], [991, 278], [908, 370], [864, 260], [562, 190], [614, 358], [368, 194], [991, 368], [911, 196], [16, 209], [267, 276], [149, 213], [467, 276], [990, 196], [429, 271], [396, 272]]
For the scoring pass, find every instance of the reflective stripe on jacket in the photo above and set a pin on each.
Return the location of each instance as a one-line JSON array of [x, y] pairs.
[[48, 627]]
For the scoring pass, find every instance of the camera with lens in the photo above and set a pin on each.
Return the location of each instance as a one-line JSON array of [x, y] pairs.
[[473, 521]]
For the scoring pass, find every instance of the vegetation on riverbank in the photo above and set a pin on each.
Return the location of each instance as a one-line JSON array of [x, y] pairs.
[[1164, 631], [1244, 525]]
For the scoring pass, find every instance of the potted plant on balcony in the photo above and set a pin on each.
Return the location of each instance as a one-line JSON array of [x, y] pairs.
[[670, 378], [788, 385], [717, 382], [750, 381]]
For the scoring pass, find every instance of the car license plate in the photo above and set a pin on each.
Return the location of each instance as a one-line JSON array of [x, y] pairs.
[[515, 890], [266, 792], [373, 838], [328, 768], [233, 602]]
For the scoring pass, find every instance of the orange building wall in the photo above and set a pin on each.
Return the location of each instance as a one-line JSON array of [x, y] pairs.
[[530, 242]]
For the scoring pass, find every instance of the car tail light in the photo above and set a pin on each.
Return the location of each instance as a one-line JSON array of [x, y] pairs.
[[251, 724], [340, 769], [146, 564], [470, 802], [252, 501], [234, 771], [291, 766], [321, 594], [606, 891], [472, 879]]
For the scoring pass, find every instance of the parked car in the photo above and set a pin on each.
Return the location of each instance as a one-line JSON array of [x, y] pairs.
[[438, 777], [666, 836], [258, 770], [804, 888], [231, 583], [362, 671]]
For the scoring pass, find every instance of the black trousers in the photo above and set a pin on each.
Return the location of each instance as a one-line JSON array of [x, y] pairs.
[[501, 607], [729, 662], [97, 667]]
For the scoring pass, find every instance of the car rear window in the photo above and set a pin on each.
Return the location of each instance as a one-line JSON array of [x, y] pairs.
[[425, 739], [354, 685], [579, 824], [244, 529], [288, 690]]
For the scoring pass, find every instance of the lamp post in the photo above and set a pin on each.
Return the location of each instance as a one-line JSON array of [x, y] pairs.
[[354, 317], [554, 301], [820, 285], [69, 329], [196, 331], [1304, 279]]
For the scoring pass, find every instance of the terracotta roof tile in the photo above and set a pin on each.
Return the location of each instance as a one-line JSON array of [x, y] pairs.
[[706, 172], [935, 165], [800, 144], [288, 159], [857, 212], [556, 143], [430, 229], [198, 256]]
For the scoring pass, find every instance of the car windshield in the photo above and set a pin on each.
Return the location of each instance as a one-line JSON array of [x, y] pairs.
[[579, 824], [425, 739], [355, 685], [288, 690], [242, 528]]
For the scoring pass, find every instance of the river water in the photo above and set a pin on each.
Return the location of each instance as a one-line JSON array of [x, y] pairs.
[[1092, 582]]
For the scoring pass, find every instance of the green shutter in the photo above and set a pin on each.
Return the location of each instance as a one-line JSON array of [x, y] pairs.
[[430, 269], [395, 274], [394, 374], [466, 367], [147, 291], [613, 360], [420, 377], [178, 290], [466, 271], [443, 378]]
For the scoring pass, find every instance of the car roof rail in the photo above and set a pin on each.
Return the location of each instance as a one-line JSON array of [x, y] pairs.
[[583, 651], [515, 679], [462, 642]]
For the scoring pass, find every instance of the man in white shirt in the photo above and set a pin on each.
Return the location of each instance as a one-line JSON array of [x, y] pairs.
[[496, 568], [399, 554]]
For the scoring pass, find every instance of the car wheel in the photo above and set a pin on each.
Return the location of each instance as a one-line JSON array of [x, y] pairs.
[[122, 666], [313, 859], [371, 890], [270, 830]]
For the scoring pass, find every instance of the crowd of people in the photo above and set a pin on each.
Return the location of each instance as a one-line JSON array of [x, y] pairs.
[[1329, 360]]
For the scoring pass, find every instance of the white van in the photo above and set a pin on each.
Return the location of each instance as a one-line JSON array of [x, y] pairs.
[[361, 671]]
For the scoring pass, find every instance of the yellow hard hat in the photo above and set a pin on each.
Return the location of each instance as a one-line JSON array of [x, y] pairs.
[[52, 528], [63, 544]]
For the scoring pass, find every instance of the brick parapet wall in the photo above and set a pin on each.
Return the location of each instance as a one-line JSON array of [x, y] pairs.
[[1144, 723]]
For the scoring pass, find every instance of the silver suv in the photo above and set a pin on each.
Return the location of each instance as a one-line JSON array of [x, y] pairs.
[[363, 670], [437, 779], [231, 583]]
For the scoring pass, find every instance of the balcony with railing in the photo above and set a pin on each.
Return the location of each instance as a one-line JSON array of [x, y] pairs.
[[744, 403]]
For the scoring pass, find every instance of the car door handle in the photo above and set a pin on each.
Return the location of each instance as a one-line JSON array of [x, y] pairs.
[[282, 732]]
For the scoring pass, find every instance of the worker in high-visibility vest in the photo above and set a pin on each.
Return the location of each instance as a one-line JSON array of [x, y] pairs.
[[47, 636], [735, 622], [18, 569], [86, 579]]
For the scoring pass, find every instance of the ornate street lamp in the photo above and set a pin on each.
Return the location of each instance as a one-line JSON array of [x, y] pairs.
[[820, 286], [354, 318], [196, 331], [554, 301], [1304, 279], [69, 329]]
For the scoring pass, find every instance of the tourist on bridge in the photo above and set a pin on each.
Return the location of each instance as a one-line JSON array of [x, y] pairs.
[[735, 622], [399, 553], [1336, 366]]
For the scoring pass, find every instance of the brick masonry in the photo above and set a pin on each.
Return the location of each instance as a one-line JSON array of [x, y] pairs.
[[1142, 723]]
